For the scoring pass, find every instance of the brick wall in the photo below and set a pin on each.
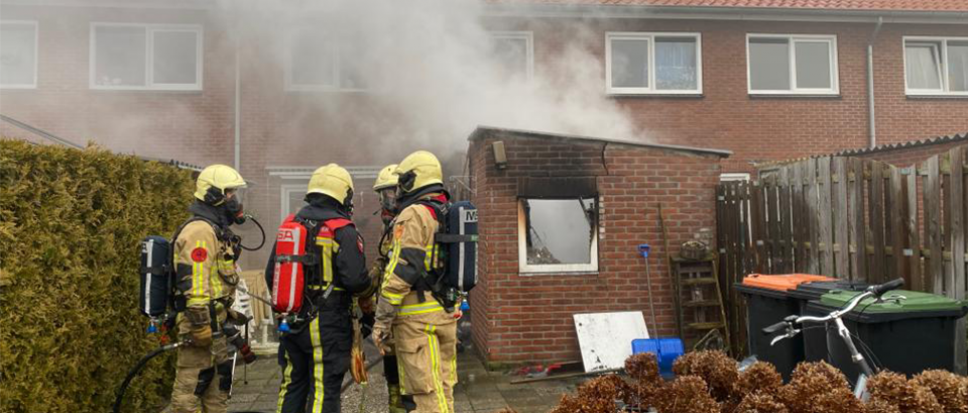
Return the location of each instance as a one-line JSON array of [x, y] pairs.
[[194, 127], [529, 318], [768, 128]]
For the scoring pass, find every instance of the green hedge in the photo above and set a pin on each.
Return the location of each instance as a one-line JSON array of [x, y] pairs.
[[70, 225]]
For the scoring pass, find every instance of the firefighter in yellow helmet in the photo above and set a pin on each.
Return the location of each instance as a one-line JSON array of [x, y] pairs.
[[205, 255], [386, 189], [315, 353], [423, 331]]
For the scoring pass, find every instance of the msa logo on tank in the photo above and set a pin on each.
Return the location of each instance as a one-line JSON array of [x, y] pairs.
[[285, 235], [470, 215]]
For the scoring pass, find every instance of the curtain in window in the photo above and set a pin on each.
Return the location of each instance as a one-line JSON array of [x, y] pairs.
[[922, 66], [675, 63], [958, 66]]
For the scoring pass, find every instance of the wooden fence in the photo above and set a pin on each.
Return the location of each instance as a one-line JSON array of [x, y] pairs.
[[850, 218]]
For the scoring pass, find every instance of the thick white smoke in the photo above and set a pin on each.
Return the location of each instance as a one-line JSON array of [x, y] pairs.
[[433, 70]]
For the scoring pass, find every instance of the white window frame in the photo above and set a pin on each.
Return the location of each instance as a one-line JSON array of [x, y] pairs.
[[831, 39], [734, 176], [942, 66], [526, 269], [650, 37], [36, 27], [528, 37], [287, 190], [150, 30], [292, 87]]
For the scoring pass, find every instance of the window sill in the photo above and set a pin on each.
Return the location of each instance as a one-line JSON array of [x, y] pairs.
[[142, 90], [19, 87], [787, 96], [533, 273], [614, 95], [936, 96], [326, 90]]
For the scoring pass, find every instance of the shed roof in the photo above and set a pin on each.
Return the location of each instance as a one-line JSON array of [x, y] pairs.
[[914, 144], [483, 132], [870, 5]]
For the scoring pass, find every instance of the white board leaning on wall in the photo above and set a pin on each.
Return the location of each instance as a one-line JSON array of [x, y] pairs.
[[606, 338]]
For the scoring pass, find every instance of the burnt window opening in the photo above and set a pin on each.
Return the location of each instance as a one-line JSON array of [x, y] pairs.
[[558, 235]]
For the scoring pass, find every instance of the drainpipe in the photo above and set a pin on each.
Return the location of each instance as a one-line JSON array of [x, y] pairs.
[[238, 108], [872, 123]]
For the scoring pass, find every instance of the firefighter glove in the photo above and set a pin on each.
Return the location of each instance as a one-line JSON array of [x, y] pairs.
[[381, 336], [202, 335], [201, 323]]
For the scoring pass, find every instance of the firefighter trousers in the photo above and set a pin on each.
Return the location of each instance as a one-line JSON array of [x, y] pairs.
[[314, 361], [203, 376], [426, 349]]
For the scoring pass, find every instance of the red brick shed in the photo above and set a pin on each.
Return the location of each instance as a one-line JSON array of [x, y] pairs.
[[561, 218]]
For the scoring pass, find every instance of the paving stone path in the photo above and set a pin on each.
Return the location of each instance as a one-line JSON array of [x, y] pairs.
[[478, 390]]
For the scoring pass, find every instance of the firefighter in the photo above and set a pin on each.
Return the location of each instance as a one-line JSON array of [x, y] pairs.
[[315, 353], [385, 188], [424, 333], [205, 253]]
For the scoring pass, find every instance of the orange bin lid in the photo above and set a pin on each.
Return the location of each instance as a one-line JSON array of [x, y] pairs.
[[782, 282]]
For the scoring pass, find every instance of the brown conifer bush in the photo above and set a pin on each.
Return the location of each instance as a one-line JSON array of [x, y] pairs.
[[759, 402], [949, 389], [687, 394], [718, 370], [759, 377], [907, 395], [643, 368], [813, 383], [596, 396]]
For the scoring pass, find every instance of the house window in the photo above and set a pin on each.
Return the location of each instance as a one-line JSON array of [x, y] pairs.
[[558, 235], [18, 54], [733, 177], [936, 66], [653, 63], [293, 198], [146, 57], [800, 64], [514, 53], [322, 61]]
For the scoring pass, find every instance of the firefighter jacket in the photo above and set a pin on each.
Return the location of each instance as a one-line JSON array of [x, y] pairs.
[[342, 262], [414, 257], [205, 259]]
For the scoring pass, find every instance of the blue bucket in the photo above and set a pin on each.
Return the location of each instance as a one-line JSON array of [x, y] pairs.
[[666, 351]]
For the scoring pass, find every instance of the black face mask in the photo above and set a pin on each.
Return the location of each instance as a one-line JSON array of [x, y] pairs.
[[233, 211]]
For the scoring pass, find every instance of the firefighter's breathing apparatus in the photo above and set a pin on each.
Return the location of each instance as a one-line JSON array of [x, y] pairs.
[[158, 302]]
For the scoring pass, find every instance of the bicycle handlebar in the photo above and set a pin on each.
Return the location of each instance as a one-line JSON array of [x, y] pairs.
[[874, 290], [879, 290], [775, 327]]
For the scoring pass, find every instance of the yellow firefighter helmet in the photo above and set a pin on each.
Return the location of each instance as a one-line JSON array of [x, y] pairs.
[[386, 179], [418, 170], [214, 180], [334, 181]]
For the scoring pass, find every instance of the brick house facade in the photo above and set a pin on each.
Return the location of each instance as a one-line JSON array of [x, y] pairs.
[[525, 314], [242, 103]]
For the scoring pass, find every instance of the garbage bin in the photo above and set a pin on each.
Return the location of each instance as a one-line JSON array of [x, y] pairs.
[[814, 335], [769, 302], [906, 335]]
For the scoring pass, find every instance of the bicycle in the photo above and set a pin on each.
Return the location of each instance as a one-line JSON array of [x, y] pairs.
[[789, 326]]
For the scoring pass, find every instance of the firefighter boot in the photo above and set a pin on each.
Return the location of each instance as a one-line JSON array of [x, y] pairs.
[[395, 402]]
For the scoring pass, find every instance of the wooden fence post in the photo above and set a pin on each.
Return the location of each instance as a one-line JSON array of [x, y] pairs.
[[840, 218], [956, 235], [825, 217], [858, 227]]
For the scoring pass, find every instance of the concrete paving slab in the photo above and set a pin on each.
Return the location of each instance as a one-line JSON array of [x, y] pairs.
[[478, 390]]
